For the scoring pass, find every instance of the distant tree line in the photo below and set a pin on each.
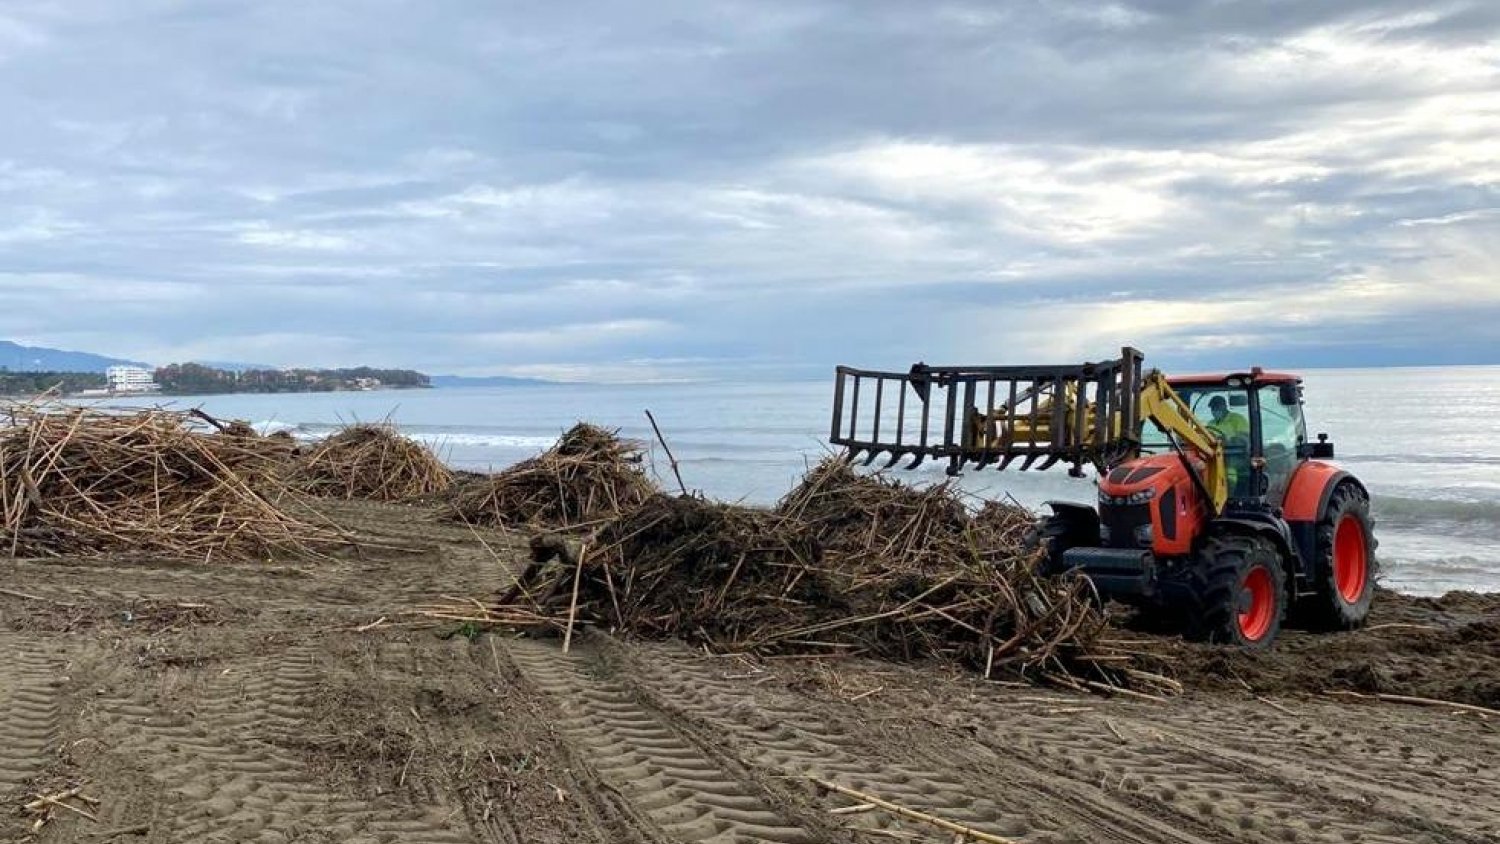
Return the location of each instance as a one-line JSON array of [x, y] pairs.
[[33, 383], [190, 378]]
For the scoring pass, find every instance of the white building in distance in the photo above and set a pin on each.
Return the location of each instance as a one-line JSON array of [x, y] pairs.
[[131, 379]]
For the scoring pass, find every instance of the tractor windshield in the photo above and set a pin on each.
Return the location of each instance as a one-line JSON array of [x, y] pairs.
[[1223, 410]]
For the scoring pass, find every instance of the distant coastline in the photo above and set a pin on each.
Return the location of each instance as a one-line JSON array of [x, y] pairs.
[[194, 379], [32, 371]]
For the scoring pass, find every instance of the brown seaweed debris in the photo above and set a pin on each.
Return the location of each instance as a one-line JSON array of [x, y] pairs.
[[373, 462], [87, 481], [590, 475]]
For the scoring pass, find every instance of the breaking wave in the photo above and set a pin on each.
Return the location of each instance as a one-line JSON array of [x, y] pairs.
[[1398, 508], [483, 440]]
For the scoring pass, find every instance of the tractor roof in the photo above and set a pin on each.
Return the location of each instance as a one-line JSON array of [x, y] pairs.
[[1256, 376]]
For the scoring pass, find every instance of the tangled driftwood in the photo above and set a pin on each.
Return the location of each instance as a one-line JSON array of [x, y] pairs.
[[89, 481], [371, 461], [590, 475], [846, 564], [279, 446]]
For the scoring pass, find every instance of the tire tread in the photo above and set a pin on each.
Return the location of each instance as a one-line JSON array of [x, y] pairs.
[[1223, 563]]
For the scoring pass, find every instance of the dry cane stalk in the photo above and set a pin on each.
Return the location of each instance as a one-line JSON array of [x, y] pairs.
[[573, 604]]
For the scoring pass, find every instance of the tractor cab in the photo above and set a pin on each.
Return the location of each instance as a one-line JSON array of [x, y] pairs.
[[1258, 415]]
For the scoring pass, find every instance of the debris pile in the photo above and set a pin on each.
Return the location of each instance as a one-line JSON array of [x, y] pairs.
[[868, 521], [373, 462], [77, 481], [589, 476], [280, 446], [681, 565], [239, 428], [846, 564]]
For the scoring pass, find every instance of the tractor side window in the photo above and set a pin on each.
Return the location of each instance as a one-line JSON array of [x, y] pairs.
[[1282, 431]]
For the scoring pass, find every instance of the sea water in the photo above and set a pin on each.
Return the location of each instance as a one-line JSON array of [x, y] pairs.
[[1426, 441]]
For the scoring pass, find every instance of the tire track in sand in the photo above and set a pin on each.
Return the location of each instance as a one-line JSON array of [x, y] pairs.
[[264, 699], [29, 681], [787, 737], [1236, 795], [675, 785], [1363, 750], [88, 581], [226, 778], [232, 791]]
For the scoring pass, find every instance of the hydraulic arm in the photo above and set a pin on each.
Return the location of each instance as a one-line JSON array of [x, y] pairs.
[[1162, 405]]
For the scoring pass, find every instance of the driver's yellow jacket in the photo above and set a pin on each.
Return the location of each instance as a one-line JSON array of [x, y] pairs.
[[1231, 427]]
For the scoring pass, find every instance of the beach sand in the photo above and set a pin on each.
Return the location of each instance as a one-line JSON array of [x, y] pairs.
[[232, 702]]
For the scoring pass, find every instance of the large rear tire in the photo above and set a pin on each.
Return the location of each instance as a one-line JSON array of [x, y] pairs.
[[1345, 585], [1240, 594]]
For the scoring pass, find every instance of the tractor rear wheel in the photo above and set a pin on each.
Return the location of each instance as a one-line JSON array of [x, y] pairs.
[[1345, 558], [1240, 594]]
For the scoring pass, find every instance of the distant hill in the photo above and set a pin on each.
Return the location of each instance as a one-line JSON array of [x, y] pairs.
[[17, 358], [487, 381]]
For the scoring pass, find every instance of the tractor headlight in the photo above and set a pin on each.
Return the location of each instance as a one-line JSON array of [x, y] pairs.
[[1139, 497]]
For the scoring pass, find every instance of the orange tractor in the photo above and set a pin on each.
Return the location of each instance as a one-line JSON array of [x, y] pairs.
[[1213, 505]]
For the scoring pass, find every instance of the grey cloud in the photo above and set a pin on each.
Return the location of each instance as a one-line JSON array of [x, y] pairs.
[[688, 187]]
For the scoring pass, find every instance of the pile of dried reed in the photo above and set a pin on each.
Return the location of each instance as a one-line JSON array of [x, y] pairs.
[[846, 565], [589, 476], [278, 446], [373, 462], [77, 481], [870, 520]]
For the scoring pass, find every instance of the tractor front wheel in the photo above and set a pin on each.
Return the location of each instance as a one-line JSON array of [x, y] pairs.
[[1241, 592]]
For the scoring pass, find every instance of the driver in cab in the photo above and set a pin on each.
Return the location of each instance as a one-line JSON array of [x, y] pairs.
[[1234, 429], [1226, 423]]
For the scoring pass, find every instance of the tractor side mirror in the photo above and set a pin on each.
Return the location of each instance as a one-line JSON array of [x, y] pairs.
[[1290, 395], [1320, 450]]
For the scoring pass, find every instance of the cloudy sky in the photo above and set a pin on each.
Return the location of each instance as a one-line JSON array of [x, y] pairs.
[[708, 189]]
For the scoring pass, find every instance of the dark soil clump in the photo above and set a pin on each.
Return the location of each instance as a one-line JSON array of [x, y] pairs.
[[1444, 648]]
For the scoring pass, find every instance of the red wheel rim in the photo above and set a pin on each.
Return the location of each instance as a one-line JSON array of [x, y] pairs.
[[1350, 563], [1255, 620]]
